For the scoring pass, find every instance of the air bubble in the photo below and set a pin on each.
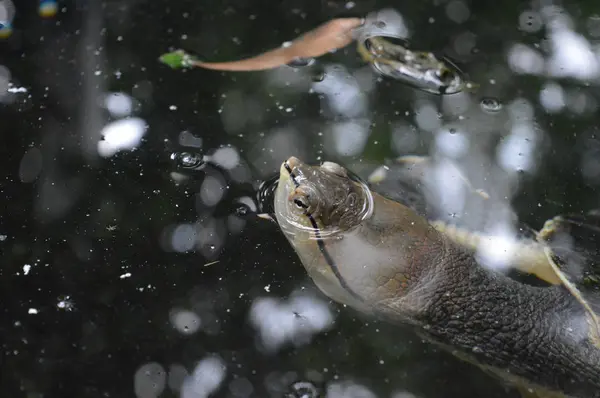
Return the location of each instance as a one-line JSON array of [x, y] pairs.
[[379, 24], [317, 74], [303, 389], [490, 105], [301, 62], [188, 160], [242, 210]]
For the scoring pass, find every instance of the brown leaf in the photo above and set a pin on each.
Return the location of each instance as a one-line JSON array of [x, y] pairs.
[[330, 36]]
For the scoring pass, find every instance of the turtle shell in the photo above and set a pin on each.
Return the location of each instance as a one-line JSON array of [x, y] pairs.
[[410, 181]]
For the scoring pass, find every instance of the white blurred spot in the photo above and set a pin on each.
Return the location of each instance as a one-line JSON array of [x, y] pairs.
[[456, 104], [125, 275], [121, 135], [458, 11], [448, 182], [185, 321], [342, 91], [520, 111], [26, 269], [552, 97], [212, 190], [149, 380], [188, 139], [453, 144], [405, 137], [497, 250], [295, 320], [403, 394], [348, 390], [464, 44], [226, 157], [525, 60], [572, 56], [555, 17], [183, 238], [32, 311], [515, 153], [205, 379], [118, 104], [349, 138], [7, 11], [426, 116], [580, 102]]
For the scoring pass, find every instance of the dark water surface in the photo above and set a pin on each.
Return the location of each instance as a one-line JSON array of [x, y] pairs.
[[129, 272]]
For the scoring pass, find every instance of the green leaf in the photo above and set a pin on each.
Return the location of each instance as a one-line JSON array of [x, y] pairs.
[[178, 59]]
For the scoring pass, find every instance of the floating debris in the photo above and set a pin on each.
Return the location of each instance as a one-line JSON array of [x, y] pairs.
[[328, 37], [419, 69]]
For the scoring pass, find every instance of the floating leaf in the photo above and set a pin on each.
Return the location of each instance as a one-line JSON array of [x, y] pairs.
[[178, 59], [330, 36]]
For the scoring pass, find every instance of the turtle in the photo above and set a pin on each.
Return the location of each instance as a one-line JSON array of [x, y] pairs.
[[389, 258]]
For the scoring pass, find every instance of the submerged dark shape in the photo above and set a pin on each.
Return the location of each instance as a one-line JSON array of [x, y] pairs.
[[382, 258]]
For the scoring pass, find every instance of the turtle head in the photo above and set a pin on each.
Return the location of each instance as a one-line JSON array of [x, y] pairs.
[[319, 201], [358, 247]]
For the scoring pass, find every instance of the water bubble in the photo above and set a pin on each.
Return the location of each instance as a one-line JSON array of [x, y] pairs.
[[303, 389], [299, 62], [379, 24], [490, 104], [188, 160], [318, 77], [242, 210]]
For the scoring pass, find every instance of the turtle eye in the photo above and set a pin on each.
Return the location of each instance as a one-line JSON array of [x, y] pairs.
[[306, 200], [300, 203]]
